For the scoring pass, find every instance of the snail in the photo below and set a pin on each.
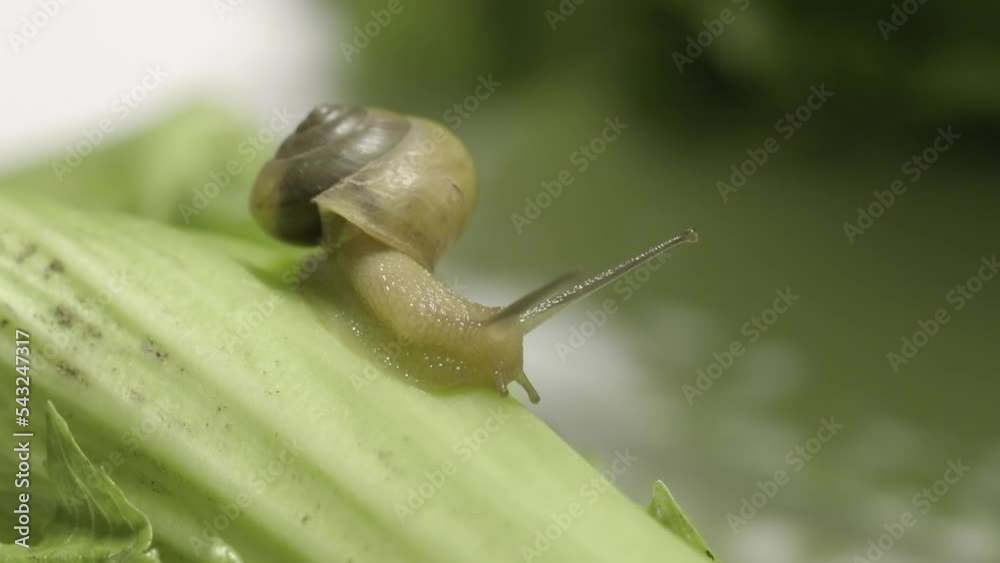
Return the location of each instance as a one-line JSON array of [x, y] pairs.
[[387, 195]]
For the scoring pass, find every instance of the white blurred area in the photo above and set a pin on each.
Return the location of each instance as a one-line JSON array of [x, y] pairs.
[[249, 57]]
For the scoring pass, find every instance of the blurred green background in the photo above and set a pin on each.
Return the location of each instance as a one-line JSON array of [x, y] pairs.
[[560, 76]]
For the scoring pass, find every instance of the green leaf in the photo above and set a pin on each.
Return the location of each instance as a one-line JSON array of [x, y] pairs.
[[192, 169], [224, 399], [94, 521], [665, 509]]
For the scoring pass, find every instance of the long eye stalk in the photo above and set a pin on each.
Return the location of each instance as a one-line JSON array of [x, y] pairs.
[[533, 309]]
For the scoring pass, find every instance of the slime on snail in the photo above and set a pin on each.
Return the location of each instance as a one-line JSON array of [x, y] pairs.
[[387, 195]]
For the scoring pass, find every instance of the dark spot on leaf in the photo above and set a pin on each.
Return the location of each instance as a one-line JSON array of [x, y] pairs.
[[63, 316], [709, 554], [69, 371], [152, 349], [55, 267], [305, 519]]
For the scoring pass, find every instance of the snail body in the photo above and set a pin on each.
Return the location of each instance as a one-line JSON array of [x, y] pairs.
[[388, 195], [442, 338]]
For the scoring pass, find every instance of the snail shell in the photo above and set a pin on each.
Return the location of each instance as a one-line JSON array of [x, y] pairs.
[[404, 181]]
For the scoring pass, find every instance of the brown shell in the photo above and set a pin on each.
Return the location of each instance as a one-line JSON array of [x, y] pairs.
[[405, 181]]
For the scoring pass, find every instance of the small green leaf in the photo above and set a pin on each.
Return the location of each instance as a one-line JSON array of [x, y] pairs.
[[94, 521], [665, 509]]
